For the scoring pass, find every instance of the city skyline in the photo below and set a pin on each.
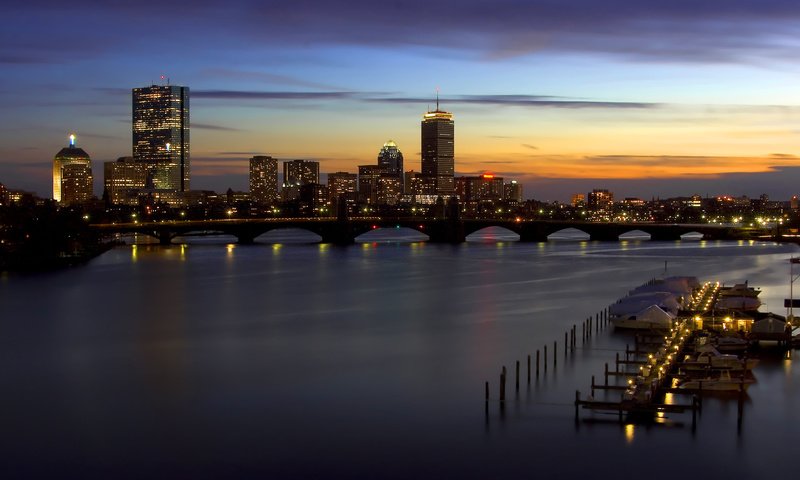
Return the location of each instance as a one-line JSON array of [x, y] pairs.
[[644, 100]]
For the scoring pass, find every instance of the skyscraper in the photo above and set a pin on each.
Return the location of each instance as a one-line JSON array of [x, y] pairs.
[[390, 159], [263, 179], [77, 183], [438, 149], [297, 173], [70, 155], [161, 134]]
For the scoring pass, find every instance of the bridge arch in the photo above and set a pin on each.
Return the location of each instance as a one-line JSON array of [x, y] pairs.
[[288, 235], [494, 233], [569, 234], [636, 234], [392, 233]]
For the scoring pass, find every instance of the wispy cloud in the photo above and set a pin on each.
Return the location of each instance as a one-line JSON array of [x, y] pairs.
[[209, 126]]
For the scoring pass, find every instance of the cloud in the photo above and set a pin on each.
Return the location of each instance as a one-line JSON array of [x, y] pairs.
[[516, 101], [532, 147], [268, 95], [208, 126], [265, 77], [721, 31]]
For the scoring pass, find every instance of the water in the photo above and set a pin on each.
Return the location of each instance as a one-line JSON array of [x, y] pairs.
[[299, 360]]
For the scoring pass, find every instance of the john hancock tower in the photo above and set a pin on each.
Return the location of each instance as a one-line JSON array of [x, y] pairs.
[[438, 150], [161, 134]]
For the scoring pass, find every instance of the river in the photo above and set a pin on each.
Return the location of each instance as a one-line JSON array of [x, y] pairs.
[[296, 360]]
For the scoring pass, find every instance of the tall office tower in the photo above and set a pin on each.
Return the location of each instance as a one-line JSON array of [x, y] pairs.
[[77, 183], [512, 192], [263, 179], [67, 156], [342, 184], [3, 195], [123, 180], [368, 176], [297, 173], [390, 159], [438, 149], [161, 134]]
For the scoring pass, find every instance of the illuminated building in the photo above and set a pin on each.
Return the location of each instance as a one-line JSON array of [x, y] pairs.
[[263, 179], [390, 188], [368, 176], [794, 204], [297, 173], [600, 200], [314, 199], [512, 192], [123, 180], [390, 159], [578, 200], [161, 135], [480, 194], [76, 183], [70, 155], [342, 184], [3, 195], [438, 150]]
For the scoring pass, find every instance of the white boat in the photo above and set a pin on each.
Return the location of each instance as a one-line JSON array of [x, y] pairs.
[[722, 383], [650, 318], [739, 290], [710, 357]]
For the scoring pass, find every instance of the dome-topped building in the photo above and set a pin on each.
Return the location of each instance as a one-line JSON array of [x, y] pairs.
[[390, 159], [80, 175]]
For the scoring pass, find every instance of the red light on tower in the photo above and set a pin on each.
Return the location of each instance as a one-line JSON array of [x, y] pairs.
[[488, 175]]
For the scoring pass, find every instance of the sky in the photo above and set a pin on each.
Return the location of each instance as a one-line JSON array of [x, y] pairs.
[[645, 98]]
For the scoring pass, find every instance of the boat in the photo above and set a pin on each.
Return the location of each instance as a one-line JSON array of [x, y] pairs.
[[650, 318], [739, 290], [730, 344], [709, 357], [721, 383]]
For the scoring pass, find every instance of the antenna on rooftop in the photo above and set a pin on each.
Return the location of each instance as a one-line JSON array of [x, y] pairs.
[[437, 99]]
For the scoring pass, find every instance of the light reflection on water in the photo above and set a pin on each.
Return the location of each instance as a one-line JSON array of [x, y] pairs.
[[296, 361]]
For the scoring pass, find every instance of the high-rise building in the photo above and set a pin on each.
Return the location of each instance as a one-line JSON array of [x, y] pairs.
[[3, 195], [123, 179], [438, 149], [342, 184], [161, 135], [390, 159], [512, 192], [297, 173], [263, 179], [368, 176], [77, 183], [70, 155], [480, 194]]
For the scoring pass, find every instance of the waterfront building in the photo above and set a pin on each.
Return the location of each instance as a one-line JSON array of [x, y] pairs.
[[600, 199], [512, 192], [419, 184], [390, 188], [438, 150], [123, 180], [342, 184], [161, 135], [314, 199], [70, 155], [3, 195], [263, 179], [480, 194], [297, 173]]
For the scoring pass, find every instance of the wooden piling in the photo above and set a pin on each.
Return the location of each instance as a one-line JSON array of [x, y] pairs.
[[606, 374], [529, 369], [592, 385], [555, 354], [517, 377], [486, 398], [537, 363], [503, 387], [565, 344], [577, 403], [545, 358]]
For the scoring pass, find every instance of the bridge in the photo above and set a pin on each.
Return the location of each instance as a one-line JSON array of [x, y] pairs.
[[343, 231]]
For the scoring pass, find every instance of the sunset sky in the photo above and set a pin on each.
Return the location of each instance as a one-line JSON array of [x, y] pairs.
[[644, 98]]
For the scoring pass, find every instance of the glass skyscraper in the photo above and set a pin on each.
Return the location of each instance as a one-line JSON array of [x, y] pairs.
[[161, 135], [438, 150]]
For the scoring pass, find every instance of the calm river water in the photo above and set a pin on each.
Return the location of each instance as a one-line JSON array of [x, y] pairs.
[[289, 360]]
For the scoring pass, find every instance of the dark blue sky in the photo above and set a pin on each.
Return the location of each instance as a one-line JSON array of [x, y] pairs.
[[646, 98]]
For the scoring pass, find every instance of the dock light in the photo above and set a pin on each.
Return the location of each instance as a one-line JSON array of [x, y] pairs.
[[374, 227]]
